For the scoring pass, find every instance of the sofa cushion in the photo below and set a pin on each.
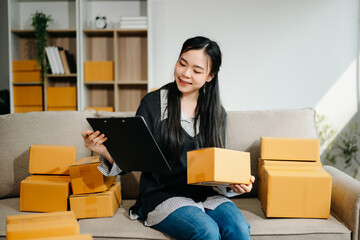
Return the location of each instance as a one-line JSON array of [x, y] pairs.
[[19, 131], [245, 128], [120, 226]]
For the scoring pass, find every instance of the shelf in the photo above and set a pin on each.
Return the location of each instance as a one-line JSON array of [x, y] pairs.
[[119, 32], [62, 75], [52, 32], [99, 32], [27, 84], [99, 83], [141, 82]]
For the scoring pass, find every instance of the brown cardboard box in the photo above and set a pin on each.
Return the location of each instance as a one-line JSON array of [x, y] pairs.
[[24, 65], [27, 76], [105, 109], [44, 193], [86, 177], [304, 149], [96, 205], [28, 96], [41, 225], [218, 167], [61, 97], [99, 71], [282, 165], [71, 237], [51, 159], [296, 193]]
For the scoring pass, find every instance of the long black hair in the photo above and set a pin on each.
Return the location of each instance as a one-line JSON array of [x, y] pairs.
[[208, 111]]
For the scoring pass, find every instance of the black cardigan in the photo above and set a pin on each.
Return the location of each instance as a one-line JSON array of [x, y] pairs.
[[156, 188]]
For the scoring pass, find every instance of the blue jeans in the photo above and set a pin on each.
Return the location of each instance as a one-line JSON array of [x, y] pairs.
[[189, 222]]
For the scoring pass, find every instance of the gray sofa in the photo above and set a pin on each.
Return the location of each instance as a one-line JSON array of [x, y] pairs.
[[19, 131]]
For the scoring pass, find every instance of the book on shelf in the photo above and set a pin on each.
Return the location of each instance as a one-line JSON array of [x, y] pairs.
[[58, 60], [51, 59], [134, 18], [64, 61], [139, 22], [71, 61]]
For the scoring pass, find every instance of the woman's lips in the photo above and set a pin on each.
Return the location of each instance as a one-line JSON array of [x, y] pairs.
[[183, 82]]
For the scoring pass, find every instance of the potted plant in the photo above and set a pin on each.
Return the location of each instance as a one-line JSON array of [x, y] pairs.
[[40, 22]]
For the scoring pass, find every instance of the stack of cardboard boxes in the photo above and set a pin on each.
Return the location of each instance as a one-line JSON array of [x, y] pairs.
[[48, 188], [54, 169], [27, 89], [94, 195], [292, 181]]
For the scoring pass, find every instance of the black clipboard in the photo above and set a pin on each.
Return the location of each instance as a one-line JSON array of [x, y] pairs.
[[131, 144]]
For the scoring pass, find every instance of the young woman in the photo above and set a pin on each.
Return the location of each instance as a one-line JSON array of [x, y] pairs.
[[184, 115]]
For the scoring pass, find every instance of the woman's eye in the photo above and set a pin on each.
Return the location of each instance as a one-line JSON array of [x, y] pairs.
[[196, 72], [182, 64]]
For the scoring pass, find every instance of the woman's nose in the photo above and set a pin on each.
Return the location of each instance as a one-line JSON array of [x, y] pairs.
[[186, 72]]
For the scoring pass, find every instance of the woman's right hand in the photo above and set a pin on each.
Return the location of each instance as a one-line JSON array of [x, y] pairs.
[[94, 142]]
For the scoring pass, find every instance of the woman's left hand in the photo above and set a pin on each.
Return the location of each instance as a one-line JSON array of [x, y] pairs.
[[243, 188]]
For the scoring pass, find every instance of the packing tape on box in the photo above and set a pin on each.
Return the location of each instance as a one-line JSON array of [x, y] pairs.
[[41, 219], [91, 200], [85, 169], [89, 185]]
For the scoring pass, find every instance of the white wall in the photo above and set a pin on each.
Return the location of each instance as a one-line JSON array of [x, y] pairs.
[[276, 54]]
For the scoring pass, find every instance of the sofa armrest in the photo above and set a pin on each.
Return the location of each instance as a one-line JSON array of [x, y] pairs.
[[345, 199]]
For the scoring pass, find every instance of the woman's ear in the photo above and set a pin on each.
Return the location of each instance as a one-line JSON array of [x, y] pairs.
[[210, 77]]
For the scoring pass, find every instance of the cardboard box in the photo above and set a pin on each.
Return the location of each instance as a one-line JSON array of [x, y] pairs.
[[41, 225], [296, 194], [86, 177], [105, 109], [25, 65], [96, 205], [99, 71], [218, 167], [51, 159], [61, 97], [303, 149], [26, 109], [27, 76], [44, 193], [71, 237], [28, 96], [282, 165]]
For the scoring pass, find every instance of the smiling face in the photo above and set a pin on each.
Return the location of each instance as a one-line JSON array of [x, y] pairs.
[[192, 71]]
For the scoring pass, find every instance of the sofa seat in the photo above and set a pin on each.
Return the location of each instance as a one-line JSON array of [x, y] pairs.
[[121, 227]]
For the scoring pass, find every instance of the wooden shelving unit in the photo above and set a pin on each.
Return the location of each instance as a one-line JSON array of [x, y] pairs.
[[127, 48]]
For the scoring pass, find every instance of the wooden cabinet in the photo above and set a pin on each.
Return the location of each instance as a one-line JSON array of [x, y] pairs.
[[73, 30], [127, 49]]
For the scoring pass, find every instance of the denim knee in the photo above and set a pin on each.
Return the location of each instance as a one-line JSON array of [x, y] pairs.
[[237, 229], [208, 231]]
